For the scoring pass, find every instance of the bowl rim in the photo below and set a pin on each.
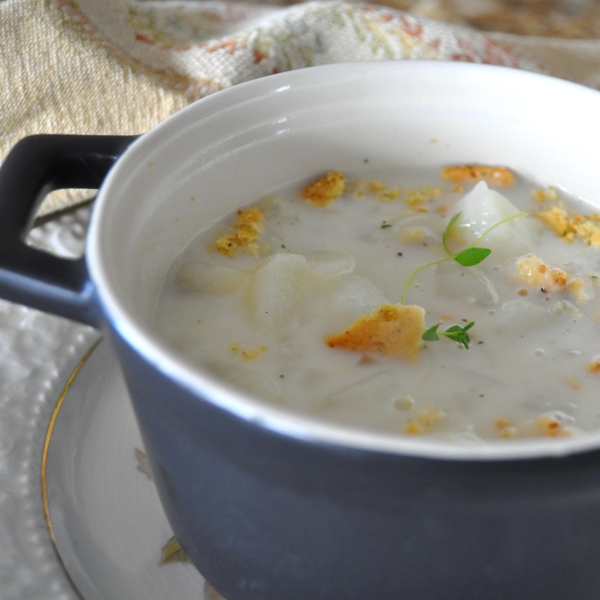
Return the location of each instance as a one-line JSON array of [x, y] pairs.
[[158, 354]]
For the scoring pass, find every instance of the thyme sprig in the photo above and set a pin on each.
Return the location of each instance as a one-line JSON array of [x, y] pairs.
[[468, 257], [455, 332]]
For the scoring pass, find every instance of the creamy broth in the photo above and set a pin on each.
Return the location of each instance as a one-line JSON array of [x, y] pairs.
[[259, 318]]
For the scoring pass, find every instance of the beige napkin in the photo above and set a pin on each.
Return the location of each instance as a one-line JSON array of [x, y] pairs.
[[122, 66]]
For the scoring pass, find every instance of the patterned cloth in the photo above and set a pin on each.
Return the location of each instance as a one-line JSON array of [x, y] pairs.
[[122, 66], [172, 43]]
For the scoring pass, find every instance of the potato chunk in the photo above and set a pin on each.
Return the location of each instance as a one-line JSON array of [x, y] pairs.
[[328, 265], [390, 329], [481, 209], [275, 289]]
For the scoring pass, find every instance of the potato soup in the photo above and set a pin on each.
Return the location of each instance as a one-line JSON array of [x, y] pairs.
[[459, 303]]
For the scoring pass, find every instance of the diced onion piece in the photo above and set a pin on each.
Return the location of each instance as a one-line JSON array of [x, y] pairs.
[[482, 208], [325, 265], [275, 289]]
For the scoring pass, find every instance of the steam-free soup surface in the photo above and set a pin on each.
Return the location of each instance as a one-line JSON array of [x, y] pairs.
[[258, 297]]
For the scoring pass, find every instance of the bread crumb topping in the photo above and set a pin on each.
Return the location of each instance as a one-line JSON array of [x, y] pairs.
[[500, 176], [535, 272], [424, 421], [505, 428], [544, 195], [594, 366], [235, 350], [570, 227], [248, 227], [326, 189], [550, 426]]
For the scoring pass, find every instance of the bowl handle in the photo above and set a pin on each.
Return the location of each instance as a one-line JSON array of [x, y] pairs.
[[36, 166]]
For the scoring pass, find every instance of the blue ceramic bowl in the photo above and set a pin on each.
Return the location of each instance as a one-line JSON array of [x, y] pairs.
[[269, 504]]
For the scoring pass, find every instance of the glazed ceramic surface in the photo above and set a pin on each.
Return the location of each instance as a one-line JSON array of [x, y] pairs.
[[266, 503], [108, 525], [228, 149]]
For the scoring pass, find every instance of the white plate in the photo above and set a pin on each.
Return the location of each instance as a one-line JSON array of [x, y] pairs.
[[102, 506], [38, 354]]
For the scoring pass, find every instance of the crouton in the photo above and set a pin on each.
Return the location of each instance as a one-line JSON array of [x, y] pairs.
[[394, 330]]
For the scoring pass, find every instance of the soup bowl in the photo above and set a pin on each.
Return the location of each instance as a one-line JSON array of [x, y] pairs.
[[268, 503]]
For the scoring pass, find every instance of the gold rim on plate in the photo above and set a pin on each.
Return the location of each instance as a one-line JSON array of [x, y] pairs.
[[51, 424]]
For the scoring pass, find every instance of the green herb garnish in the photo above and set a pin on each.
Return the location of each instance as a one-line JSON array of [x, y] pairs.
[[384, 225], [467, 257], [456, 333], [472, 256]]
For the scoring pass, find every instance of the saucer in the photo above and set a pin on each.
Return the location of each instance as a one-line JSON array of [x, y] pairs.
[[101, 505]]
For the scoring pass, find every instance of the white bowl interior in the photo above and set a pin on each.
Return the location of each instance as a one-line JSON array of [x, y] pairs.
[[229, 149]]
